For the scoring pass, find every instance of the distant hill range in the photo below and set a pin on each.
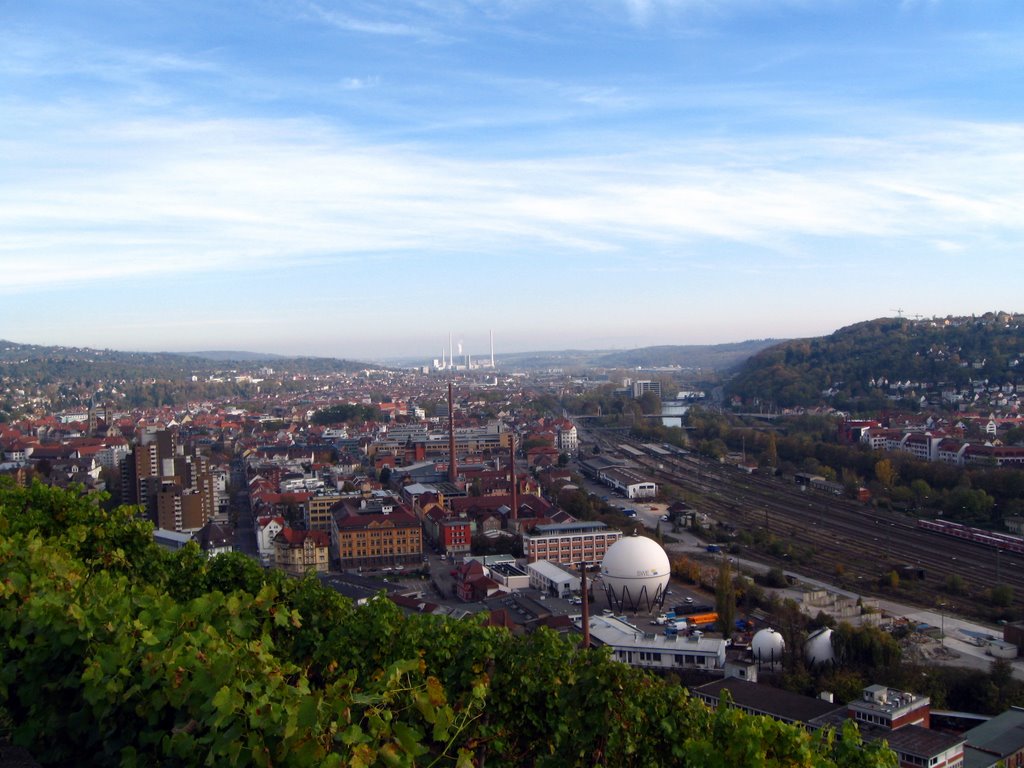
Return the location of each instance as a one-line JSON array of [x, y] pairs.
[[859, 362], [710, 357], [228, 356], [60, 363], [719, 357]]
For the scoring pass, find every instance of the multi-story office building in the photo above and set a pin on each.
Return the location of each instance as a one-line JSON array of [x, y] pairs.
[[375, 533], [570, 543], [318, 511], [640, 388]]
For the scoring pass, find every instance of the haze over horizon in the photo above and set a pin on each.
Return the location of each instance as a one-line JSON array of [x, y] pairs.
[[359, 179]]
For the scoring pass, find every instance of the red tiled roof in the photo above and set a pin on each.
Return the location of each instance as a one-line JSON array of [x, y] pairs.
[[295, 538], [376, 520]]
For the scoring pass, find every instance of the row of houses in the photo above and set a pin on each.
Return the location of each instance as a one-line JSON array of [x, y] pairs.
[[934, 446]]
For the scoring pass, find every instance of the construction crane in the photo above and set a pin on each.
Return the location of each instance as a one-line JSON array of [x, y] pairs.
[[899, 312]]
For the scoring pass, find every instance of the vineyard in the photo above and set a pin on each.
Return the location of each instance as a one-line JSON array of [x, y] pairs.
[[113, 652]]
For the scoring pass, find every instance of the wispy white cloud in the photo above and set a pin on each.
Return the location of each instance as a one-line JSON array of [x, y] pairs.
[[180, 197], [371, 23], [588, 142], [80, 57], [359, 83]]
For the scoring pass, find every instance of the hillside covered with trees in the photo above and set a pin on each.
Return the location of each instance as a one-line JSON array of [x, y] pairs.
[[114, 652], [68, 377], [708, 357], [41, 364], [715, 357], [858, 361]]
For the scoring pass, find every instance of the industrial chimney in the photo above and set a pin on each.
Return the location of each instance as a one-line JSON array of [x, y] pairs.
[[512, 470], [453, 471]]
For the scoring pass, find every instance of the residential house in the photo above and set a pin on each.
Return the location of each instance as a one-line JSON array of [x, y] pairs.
[[297, 552], [267, 529]]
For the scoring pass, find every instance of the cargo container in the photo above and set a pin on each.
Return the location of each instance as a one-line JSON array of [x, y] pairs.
[[702, 619]]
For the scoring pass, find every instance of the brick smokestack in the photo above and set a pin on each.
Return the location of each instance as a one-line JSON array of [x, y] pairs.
[[453, 470], [512, 470], [586, 605]]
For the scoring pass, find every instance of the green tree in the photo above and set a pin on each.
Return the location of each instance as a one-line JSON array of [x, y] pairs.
[[968, 505], [954, 584], [650, 403], [771, 451], [1001, 595], [865, 648], [725, 598], [775, 578], [344, 413]]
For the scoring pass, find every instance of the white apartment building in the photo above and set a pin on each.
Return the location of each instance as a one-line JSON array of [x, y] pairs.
[[566, 437]]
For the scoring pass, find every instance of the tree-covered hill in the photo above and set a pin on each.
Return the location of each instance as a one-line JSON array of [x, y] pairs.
[[58, 378], [717, 357], [42, 363], [708, 357], [859, 362], [113, 652]]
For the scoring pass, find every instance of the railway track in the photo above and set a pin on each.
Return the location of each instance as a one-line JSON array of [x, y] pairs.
[[843, 541]]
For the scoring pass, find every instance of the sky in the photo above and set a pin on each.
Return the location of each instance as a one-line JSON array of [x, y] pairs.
[[361, 179]]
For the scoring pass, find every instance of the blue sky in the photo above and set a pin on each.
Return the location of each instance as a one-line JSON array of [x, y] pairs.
[[358, 179]]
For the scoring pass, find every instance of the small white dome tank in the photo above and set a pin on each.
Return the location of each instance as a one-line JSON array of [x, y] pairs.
[[818, 648], [635, 571], [768, 646]]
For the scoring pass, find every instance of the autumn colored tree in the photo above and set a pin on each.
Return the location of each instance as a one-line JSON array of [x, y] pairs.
[[885, 473]]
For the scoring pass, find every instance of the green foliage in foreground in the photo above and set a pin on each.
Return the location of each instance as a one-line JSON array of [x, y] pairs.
[[115, 653]]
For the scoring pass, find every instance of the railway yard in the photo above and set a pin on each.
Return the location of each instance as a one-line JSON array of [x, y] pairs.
[[849, 543]]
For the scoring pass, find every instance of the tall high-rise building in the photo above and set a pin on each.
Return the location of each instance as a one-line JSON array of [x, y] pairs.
[[176, 488], [640, 388]]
